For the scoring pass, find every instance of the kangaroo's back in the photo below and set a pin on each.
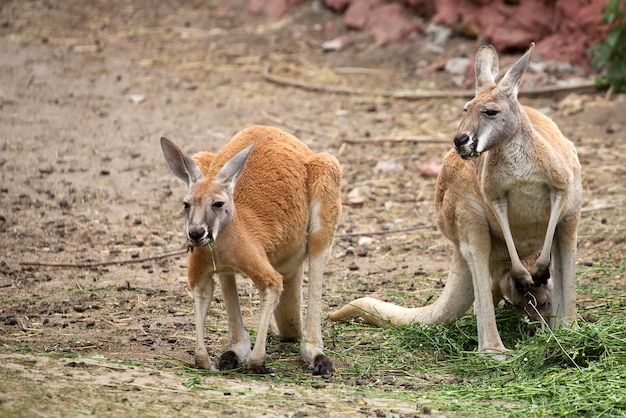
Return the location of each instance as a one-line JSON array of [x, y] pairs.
[[271, 196]]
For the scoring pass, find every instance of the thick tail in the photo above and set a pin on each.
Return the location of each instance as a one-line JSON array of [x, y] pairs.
[[377, 312], [455, 299]]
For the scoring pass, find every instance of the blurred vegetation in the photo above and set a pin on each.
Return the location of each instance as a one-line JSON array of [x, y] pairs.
[[609, 56]]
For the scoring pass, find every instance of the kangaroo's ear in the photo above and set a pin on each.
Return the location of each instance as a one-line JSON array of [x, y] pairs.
[[181, 165], [232, 170], [509, 85], [486, 67]]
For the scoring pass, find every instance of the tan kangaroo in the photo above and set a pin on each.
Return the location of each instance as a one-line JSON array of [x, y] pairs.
[[259, 207], [511, 187]]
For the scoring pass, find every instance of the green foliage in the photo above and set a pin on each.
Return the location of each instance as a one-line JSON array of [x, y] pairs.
[[610, 54]]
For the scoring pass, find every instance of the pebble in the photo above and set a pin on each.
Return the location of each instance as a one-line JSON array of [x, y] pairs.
[[363, 241], [136, 98], [388, 167], [457, 65], [438, 34]]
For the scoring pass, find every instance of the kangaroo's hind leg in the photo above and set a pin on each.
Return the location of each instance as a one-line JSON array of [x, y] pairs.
[[324, 211]]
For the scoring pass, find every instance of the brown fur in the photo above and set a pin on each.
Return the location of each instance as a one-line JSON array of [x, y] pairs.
[[285, 206], [509, 189]]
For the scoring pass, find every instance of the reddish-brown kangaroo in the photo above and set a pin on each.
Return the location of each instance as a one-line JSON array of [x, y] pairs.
[[260, 206]]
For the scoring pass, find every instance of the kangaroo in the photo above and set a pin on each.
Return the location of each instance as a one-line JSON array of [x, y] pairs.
[[510, 187], [259, 207]]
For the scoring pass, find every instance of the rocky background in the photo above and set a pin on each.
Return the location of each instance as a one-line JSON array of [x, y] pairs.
[[563, 29]]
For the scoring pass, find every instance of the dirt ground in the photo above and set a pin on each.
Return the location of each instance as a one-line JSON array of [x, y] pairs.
[[86, 91]]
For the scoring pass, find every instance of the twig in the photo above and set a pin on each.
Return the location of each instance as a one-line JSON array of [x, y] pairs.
[[395, 139], [423, 138], [104, 263], [589, 209], [390, 231], [584, 86]]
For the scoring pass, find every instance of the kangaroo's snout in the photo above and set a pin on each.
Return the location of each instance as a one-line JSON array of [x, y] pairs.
[[461, 139], [199, 235], [464, 146]]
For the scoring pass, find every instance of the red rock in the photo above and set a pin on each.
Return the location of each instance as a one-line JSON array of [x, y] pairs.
[[358, 13], [390, 25], [562, 29], [430, 170]]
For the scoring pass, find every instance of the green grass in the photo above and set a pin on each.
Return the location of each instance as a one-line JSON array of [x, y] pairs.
[[571, 372]]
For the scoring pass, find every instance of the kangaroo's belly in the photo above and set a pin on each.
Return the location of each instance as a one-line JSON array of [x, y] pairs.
[[528, 215]]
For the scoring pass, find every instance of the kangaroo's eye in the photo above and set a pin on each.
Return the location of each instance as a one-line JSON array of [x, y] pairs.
[[491, 112], [186, 205], [218, 204]]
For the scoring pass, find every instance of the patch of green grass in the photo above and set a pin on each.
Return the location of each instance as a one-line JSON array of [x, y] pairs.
[[569, 372]]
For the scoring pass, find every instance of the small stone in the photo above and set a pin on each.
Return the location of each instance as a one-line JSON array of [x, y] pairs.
[[365, 241], [457, 65]]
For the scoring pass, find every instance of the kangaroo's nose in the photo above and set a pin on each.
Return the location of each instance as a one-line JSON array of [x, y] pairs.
[[461, 139], [196, 232]]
